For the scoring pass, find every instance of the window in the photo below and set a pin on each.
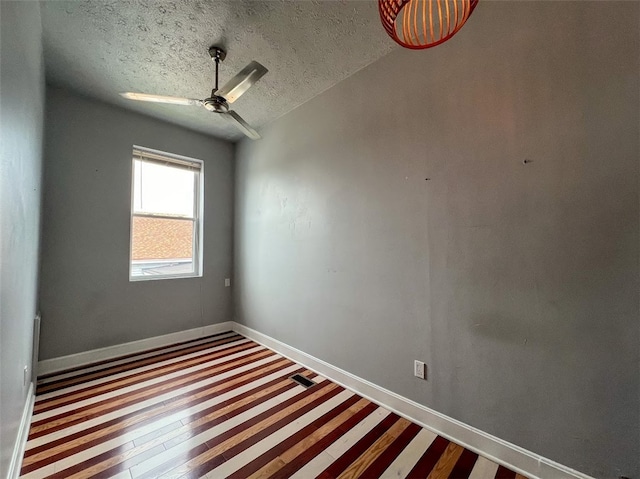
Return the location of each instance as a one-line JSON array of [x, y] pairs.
[[166, 216]]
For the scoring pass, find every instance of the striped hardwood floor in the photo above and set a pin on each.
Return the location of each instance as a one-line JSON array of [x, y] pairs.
[[224, 406]]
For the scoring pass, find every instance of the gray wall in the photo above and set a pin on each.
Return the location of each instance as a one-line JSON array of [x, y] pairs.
[[21, 117], [87, 300], [517, 283]]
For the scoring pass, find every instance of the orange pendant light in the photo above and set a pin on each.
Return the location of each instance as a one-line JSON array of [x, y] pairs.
[[419, 24]]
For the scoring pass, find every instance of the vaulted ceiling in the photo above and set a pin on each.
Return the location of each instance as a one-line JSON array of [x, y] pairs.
[[101, 48]]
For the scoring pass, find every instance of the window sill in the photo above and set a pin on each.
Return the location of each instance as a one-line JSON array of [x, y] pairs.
[[156, 277]]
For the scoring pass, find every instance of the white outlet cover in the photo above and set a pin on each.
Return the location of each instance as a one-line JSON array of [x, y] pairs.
[[420, 369], [227, 282]]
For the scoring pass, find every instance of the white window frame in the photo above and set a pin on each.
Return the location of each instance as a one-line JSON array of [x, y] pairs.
[[198, 199]]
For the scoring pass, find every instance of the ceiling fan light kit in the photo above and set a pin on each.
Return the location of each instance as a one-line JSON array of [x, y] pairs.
[[219, 100], [420, 24]]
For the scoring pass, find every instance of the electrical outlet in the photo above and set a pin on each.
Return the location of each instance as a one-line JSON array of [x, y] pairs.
[[227, 282], [25, 376], [420, 369]]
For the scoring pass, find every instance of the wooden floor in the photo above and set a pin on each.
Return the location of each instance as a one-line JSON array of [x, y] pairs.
[[224, 406]]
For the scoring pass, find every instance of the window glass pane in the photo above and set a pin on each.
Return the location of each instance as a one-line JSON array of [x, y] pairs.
[[161, 246], [163, 189]]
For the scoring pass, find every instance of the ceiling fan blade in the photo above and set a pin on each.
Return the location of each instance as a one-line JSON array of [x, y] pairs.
[[242, 125], [240, 83], [175, 100]]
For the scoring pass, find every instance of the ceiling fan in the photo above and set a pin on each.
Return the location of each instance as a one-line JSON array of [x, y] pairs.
[[219, 100]]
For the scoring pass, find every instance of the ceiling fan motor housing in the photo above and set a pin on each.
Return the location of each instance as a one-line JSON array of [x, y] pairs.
[[216, 103]]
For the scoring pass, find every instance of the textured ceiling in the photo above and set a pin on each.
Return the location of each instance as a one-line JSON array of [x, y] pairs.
[[100, 48]]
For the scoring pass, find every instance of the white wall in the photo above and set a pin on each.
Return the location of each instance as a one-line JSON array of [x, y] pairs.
[[21, 117], [87, 300], [517, 283]]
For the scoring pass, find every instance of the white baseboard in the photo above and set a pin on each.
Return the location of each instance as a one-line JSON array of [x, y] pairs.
[[48, 366], [514, 457], [23, 433]]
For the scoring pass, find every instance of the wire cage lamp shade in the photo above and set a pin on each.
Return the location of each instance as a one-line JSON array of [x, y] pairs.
[[419, 24]]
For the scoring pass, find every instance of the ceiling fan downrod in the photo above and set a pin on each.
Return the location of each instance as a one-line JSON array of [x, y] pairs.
[[218, 55]]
